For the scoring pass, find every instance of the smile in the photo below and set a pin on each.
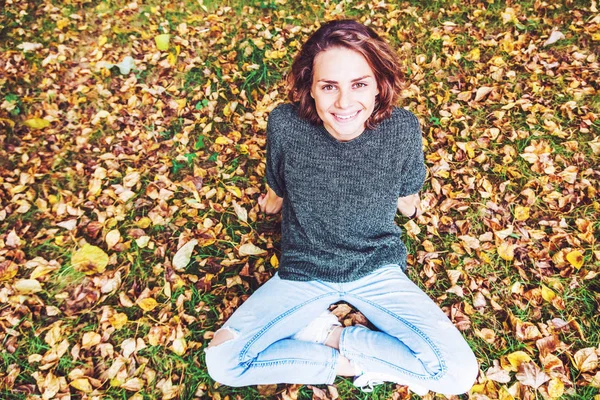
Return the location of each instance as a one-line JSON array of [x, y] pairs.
[[346, 117]]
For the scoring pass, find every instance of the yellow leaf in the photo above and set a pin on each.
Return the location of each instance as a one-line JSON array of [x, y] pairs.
[[179, 346], [517, 358], [222, 140], [27, 286], [274, 261], [7, 121], [575, 258], [162, 42], [147, 304], [8, 270], [521, 213], [234, 190], [89, 260], [144, 222], [37, 123], [118, 320], [506, 250], [102, 41], [556, 388], [547, 293], [82, 384], [172, 59]]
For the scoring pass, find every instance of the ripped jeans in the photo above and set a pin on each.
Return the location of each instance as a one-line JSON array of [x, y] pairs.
[[415, 340]]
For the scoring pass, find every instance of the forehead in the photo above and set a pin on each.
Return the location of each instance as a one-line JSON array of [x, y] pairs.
[[340, 64]]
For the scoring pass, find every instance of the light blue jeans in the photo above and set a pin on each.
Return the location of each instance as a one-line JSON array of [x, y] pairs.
[[416, 342]]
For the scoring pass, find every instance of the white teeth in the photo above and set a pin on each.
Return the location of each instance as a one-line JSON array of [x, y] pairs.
[[346, 117]]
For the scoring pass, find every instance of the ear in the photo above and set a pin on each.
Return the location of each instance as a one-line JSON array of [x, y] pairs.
[[311, 93]]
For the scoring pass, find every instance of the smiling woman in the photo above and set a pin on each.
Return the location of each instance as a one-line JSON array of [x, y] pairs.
[[345, 92], [341, 159]]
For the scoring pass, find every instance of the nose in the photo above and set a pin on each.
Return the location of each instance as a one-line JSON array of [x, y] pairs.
[[343, 99]]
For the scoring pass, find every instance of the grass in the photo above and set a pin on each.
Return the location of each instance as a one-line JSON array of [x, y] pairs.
[[229, 61]]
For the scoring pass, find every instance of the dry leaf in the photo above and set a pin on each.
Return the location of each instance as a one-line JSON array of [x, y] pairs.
[[555, 36], [183, 255], [179, 346], [147, 304], [249, 249], [586, 360], [27, 286], [82, 384], [575, 258], [89, 260], [531, 375], [112, 238]]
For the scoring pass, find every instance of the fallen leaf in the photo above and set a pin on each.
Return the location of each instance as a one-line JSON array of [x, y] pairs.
[[162, 42], [112, 238], [517, 358], [8, 270], [249, 249], [240, 211], [586, 360], [37, 123], [575, 258], [27, 286], [184, 255], [89, 260], [147, 304], [179, 346], [506, 251], [555, 36], [521, 213], [497, 374], [556, 388], [82, 384], [531, 375], [90, 339]]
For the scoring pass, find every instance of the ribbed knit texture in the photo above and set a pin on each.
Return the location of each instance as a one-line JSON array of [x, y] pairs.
[[340, 198]]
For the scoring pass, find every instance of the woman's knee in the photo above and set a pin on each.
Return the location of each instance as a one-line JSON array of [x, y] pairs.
[[221, 364], [462, 375]]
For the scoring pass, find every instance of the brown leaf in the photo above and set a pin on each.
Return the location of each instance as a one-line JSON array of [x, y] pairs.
[[497, 374], [531, 375], [586, 360]]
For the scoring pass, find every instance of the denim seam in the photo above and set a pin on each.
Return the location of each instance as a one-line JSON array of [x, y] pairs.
[[437, 352], [268, 326]]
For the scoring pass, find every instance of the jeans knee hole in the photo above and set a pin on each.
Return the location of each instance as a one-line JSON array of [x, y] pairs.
[[223, 335]]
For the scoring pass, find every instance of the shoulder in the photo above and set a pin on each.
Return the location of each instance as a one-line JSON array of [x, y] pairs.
[[284, 114], [401, 116], [402, 123]]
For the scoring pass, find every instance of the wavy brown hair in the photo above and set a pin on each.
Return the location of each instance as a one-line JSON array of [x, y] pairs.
[[354, 36]]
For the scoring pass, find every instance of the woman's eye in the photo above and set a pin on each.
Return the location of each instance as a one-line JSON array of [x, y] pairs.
[[328, 87], [360, 85]]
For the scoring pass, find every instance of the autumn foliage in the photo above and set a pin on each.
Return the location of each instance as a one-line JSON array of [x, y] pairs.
[[132, 155]]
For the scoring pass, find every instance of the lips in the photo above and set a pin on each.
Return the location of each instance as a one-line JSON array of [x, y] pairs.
[[346, 117]]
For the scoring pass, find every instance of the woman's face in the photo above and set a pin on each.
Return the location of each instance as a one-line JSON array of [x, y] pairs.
[[344, 89]]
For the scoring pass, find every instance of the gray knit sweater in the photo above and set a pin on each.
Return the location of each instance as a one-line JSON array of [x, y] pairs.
[[340, 197]]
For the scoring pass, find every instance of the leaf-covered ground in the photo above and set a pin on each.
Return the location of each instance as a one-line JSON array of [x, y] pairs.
[[129, 226]]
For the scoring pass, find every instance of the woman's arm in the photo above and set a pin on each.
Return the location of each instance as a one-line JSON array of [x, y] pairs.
[[270, 203], [410, 205]]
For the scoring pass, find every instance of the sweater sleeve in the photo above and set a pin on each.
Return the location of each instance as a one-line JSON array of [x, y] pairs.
[[274, 170], [413, 171]]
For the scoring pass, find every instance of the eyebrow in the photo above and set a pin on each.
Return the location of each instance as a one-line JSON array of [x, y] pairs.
[[353, 80]]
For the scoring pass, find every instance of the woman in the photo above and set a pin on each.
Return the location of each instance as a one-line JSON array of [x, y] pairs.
[[340, 160]]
